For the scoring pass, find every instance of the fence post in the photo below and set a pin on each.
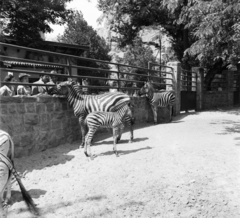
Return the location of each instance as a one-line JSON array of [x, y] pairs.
[[237, 85], [149, 69], [118, 76], [230, 78], [199, 87], [176, 66]]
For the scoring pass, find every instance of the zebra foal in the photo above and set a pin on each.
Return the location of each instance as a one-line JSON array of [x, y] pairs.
[[85, 104], [157, 99], [114, 120]]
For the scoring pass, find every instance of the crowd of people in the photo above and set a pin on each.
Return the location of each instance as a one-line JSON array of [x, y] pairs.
[[27, 90]]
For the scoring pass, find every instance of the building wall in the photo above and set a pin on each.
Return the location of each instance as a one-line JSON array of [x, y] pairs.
[[215, 99], [39, 123]]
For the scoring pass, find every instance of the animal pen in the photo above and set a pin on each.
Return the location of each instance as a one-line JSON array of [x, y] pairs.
[[40, 122]]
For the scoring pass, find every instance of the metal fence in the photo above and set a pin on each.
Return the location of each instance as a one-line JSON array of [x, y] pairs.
[[188, 80], [123, 72]]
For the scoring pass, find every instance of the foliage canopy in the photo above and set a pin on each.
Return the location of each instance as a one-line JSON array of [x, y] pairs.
[[203, 32], [24, 20]]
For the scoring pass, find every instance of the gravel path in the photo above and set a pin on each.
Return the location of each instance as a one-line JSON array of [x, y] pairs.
[[187, 168]]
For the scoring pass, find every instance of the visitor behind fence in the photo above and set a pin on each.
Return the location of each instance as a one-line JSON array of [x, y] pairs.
[[8, 90], [24, 89], [37, 90], [53, 81]]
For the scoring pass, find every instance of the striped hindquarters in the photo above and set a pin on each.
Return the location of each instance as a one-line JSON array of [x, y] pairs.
[[96, 119], [112, 101], [163, 99], [107, 119]]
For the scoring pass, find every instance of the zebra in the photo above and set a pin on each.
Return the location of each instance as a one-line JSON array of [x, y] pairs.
[[114, 120], [85, 104], [7, 169], [160, 99]]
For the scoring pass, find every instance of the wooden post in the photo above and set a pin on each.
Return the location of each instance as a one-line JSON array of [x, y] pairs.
[[176, 66]]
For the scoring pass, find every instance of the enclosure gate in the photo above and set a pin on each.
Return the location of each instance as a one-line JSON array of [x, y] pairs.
[[188, 90], [236, 88]]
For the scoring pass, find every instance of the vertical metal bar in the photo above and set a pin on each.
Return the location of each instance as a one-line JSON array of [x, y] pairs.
[[118, 75], [149, 68]]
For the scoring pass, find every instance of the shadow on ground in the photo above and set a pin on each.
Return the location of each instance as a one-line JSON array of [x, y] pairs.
[[124, 152], [34, 193], [60, 154]]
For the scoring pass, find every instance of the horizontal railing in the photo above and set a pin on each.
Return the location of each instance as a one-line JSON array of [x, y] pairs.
[[120, 80]]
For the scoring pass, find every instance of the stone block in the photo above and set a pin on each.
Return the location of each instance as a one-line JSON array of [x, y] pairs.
[[50, 107], [3, 109], [44, 98], [31, 108], [5, 99], [45, 122], [21, 108], [28, 99], [65, 106], [26, 140], [12, 108], [40, 108], [31, 119], [56, 124], [59, 115], [57, 106]]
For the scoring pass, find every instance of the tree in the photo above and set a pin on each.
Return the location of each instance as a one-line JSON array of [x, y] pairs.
[[128, 18], [79, 32], [217, 31], [203, 32], [136, 55], [24, 20]]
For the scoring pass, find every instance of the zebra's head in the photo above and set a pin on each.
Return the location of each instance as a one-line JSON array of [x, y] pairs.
[[61, 88], [146, 89]]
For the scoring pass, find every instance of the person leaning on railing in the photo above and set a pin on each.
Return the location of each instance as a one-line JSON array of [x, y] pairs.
[[24, 89], [53, 81], [38, 90], [8, 90]]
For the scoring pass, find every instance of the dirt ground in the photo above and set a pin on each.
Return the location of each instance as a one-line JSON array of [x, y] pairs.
[[187, 168]]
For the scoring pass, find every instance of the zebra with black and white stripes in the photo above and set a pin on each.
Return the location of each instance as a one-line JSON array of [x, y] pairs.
[[85, 104], [157, 99], [114, 120], [7, 169]]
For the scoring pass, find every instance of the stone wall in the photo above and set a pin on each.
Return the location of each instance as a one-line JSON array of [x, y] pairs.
[[214, 99], [39, 123]]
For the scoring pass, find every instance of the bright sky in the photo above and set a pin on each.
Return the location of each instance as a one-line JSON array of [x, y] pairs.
[[90, 14]]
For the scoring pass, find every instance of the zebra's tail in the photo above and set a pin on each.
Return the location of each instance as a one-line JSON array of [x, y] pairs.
[[26, 197]]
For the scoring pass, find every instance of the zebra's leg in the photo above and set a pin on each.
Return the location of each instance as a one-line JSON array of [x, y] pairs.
[[131, 130], [83, 127], [88, 142], [171, 112], [154, 110], [116, 131]]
